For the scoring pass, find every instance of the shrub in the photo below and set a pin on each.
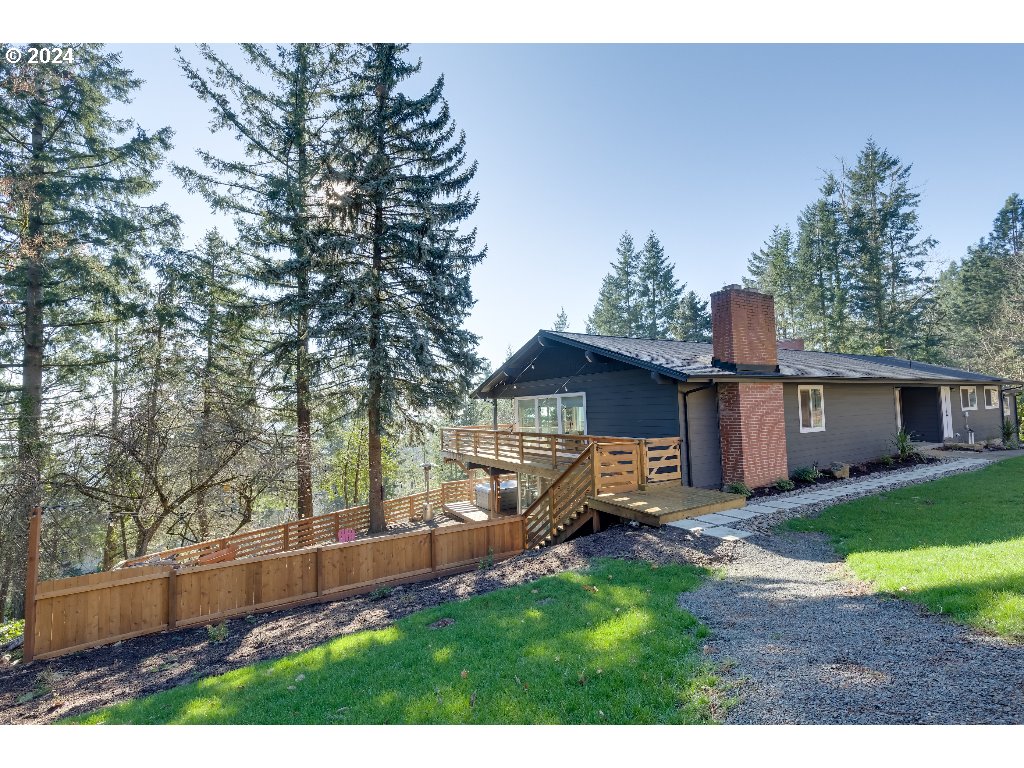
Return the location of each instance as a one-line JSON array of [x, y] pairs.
[[218, 633], [486, 562], [1008, 432], [807, 474], [741, 488], [10, 630], [886, 461], [784, 484], [904, 447], [380, 593]]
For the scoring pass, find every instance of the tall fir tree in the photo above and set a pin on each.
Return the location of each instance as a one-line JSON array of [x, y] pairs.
[[617, 311], [823, 276], [692, 319], [659, 291], [287, 119], [397, 312], [561, 321], [981, 291], [890, 289], [773, 270], [73, 225], [854, 278]]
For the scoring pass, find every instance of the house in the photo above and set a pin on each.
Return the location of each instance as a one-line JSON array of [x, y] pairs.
[[744, 408]]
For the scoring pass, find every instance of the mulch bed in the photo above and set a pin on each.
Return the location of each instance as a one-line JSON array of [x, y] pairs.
[[45, 691], [863, 469]]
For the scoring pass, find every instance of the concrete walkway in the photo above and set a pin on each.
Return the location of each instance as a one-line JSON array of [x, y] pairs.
[[733, 524]]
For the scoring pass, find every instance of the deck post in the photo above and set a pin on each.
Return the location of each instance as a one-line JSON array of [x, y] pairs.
[[641, 463]]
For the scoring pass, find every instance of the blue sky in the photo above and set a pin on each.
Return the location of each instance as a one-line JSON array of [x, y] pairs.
[[709, 146]]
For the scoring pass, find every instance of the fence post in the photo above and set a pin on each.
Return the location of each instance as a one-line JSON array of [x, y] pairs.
[[641, 477], [31, 580], [172, 599]]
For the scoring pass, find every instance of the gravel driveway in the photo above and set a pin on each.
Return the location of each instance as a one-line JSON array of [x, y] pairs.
[[808, 643]]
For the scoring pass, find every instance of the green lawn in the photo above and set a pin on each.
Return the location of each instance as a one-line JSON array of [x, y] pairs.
[[954, 545], [605, 646]]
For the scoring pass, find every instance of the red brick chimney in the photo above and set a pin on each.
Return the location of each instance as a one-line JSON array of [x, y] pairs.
[[751, 414], [743, 330], [796, 345]]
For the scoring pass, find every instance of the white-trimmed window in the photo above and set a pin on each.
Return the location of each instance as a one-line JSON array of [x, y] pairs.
[[812, 407], [991, 397], [968, 398], [564, 414]]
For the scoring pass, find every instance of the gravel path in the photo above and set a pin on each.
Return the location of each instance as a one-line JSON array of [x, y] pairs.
[[807, 643]]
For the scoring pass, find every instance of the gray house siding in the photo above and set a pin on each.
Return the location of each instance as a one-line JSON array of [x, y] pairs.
[[860, 421], [626, 403], [705, 445], [987, 423]]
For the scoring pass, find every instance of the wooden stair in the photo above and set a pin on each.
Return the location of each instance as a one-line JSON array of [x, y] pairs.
[[573, 523], [562, 509]]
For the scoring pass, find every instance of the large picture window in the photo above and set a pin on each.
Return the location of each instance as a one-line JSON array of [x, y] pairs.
[[812, 408], [562, 414]]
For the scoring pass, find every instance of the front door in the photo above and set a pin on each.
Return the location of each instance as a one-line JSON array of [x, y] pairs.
[[947, 414]]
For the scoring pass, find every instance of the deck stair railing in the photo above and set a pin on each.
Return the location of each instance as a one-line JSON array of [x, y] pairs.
[[608, 467]]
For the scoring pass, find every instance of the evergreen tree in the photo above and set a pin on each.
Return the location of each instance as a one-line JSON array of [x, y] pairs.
[[692, 320], [659, 291], [773, 270], [820, 292], [397, 310], [618, 311], [72, 225], [288, 125], [561, 321], [890, 290], [982, 292]]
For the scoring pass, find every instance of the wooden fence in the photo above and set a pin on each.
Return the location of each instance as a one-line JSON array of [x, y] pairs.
[[311, 531], [73, 614]]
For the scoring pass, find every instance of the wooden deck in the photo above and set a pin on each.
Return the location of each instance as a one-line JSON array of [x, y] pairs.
[[664, 503]]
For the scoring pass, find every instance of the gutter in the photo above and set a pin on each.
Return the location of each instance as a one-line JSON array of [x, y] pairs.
[[686, 427]]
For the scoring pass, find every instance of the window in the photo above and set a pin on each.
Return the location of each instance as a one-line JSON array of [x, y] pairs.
[[991, 397], [561, 414], [968, 398], [812, 408]]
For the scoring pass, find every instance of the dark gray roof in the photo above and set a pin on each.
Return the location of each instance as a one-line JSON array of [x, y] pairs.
[[685, 359]]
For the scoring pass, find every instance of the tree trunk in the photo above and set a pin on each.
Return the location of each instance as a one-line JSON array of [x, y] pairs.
[[203, 461], [375, 478], [304, 448], [30, 448], [110, 540]]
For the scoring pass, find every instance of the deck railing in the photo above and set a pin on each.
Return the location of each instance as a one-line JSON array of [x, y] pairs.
[[311, 531], [656, 459]]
